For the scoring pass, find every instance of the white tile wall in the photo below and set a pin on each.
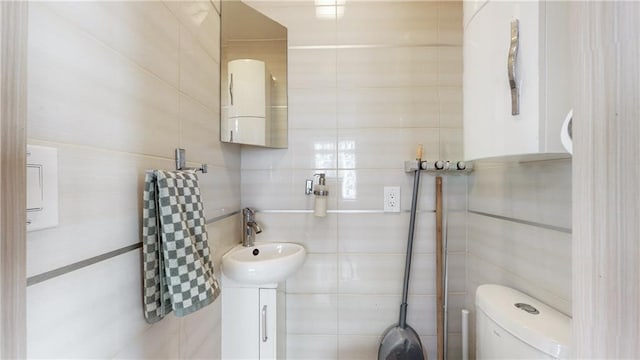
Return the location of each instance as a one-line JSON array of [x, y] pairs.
[[364, 90], [532, 257], [312, 347], [116, 87], [356, 113], [539, 191], [388, 107], [399, 23]]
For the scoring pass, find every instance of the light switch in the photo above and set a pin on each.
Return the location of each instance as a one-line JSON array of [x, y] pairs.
[[42, 187], [34, 187]]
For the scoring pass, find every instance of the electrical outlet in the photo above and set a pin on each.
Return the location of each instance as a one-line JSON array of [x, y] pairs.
[[392, 199]]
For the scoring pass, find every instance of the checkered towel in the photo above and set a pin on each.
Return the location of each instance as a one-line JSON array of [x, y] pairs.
[[178, 271]]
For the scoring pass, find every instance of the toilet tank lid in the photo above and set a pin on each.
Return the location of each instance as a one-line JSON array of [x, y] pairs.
[[548, 331]]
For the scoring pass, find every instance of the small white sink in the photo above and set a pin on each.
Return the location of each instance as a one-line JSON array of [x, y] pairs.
[[264, 263]]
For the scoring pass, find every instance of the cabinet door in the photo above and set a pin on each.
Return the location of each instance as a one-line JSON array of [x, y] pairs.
[[240, 327], [489, 128], [268, 328]]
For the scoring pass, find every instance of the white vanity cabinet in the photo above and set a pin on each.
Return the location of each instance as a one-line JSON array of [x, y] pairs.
[[541, 74], [252, 322]]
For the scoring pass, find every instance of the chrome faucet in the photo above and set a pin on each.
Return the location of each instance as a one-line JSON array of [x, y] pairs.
[[249, 227]]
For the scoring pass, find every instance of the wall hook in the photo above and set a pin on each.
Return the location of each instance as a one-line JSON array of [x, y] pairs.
[[181, 161]]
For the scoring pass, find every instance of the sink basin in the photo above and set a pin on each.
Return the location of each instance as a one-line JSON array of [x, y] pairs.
[[266, 262]]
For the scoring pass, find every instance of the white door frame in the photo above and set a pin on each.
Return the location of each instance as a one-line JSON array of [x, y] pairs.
[[606, 179], [13, 85]]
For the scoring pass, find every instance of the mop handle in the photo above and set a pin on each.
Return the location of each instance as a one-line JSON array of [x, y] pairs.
[[412, 223]]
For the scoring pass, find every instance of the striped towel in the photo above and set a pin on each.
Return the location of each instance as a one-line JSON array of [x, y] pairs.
[[178, 271]]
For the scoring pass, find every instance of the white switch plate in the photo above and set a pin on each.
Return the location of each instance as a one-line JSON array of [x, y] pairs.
[[392, 199], [42, 187]]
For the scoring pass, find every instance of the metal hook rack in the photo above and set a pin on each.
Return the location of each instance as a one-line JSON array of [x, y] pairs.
[[181, 161], [439, 166]]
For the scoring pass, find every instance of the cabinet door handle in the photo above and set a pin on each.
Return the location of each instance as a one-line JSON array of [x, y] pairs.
[[264, 324], [511, 67], [231, 88]]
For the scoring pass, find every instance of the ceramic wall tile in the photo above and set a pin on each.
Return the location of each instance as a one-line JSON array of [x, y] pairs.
[[200, 335], [91, 183], [373, 148], [536, 191], [313, 108], [315, 314], [156, 89], [454, 190], [202, 20], [367, 314], [374, 83], [454, 348], [483, 272], [451, 144], [255, 158], [312, 347], [373, 314], [388, 67], [455, 230], [156, 342], [144, 32], [199, 72], [382, 274], [71, 102], [364, 189], [450, 101], [420, 314], [541, 256], [223, 235], [313, 148], [385, 233], [318, 275], [450, 22], [306, 22], [429, 345], [220, 189], [396, 107], [200, 133], [91, 324], [456, 302], [374, 23], [308, 149], [312, 68], [283, 189], [450, 66], [358, 347], [457, 267], [316, 234]]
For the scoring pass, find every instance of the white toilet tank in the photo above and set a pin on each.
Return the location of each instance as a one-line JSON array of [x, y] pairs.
[[512, 325]]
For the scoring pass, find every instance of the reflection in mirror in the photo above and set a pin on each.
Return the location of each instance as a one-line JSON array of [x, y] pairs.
[[253, 77]]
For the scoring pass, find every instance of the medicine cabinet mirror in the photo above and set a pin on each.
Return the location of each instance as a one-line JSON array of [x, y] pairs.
[[253, 77]]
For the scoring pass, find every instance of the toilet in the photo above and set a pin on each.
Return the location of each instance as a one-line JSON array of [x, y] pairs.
[[512, 325]]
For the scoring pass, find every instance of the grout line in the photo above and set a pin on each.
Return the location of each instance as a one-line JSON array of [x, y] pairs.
[[524, 222], [44, 142], [292, 211], [370, 46], [36, 279], [222, 217]]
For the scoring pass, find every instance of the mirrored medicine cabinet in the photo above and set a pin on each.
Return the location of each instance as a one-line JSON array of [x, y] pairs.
[[253, 77]]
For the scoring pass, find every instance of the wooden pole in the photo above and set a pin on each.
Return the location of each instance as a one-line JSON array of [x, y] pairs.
[[439, 272]]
